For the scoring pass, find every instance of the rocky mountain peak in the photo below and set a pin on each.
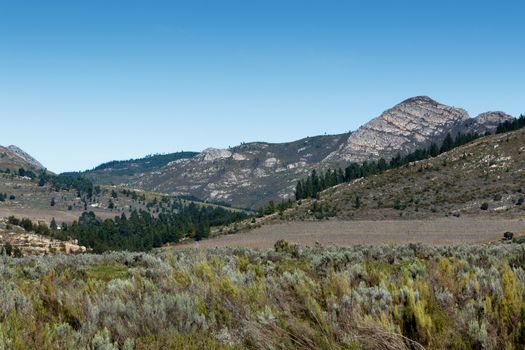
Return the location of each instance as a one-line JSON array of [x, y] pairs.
[[419, 99], [411, 124], [493, 118], [487, 121]]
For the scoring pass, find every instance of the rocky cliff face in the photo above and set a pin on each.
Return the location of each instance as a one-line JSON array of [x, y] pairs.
[[412, 124], [252, 174]]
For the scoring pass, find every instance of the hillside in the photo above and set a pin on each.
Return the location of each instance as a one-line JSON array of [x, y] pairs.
[[123, 171], [251, 174], [482, 178], [13, 158]]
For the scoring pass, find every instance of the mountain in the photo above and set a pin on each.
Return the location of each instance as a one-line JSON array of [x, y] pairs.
[[251, 174], [411, 124], [125, 171], [246, 176], [27, 157], [13, 158], [483, 177]]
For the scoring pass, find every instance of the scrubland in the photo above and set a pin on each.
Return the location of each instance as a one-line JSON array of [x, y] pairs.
[[364, 297]]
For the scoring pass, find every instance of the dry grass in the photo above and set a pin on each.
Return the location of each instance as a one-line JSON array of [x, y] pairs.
[[347, 233]]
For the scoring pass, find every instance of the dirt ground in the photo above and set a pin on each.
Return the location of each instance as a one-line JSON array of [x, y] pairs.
[[345, 233]]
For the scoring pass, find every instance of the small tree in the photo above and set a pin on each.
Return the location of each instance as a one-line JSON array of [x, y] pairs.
[[52, 203], [53, 224], [357, 201]]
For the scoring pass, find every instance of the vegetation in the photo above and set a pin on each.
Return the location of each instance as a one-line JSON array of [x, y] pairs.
[[515, 124], [483, 177], [383, 297], [67, 182], [141, 231], [313, 184], [120, 169]]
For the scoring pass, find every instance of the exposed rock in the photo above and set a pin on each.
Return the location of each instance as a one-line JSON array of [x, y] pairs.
[[487, 121], [26, 157], [411, 124], [211, 154]]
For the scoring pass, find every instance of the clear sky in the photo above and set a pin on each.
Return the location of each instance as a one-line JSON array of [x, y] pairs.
[[84, 82]]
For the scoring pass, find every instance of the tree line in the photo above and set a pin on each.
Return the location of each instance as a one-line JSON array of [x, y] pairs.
[[315, 183], [66, 182], [512, 125], [141, 231]]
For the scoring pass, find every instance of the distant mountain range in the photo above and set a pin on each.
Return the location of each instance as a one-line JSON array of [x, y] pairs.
[[251, 174]]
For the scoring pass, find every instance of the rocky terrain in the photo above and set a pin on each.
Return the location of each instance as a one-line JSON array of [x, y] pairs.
[[13, 158], [34, 244], [412, 124], [245, 176], [251, 174], [26, 157]]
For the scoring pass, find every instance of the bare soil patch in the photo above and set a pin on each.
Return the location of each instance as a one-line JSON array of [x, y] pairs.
[[347, 233]]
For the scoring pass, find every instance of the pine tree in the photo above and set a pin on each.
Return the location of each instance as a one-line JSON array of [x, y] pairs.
[[53, 224], [448, 143], [299, 191], [433, 150]]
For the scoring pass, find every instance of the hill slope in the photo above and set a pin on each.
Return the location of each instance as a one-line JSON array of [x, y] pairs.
[[251, 174], [484, 177], [124, 171], [13, 158], [246, 175]]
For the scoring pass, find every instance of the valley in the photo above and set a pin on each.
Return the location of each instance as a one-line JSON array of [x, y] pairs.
[[341, 233], [262, 175], [348, 250]]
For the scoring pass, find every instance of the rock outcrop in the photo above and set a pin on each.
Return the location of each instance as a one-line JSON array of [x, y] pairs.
[[487, 121], [413, 123]]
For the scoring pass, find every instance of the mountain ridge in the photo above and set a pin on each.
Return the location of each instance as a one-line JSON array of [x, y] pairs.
[[250, 174]]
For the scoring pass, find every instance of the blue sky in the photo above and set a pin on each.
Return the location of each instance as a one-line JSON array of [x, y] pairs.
[[83, 82]]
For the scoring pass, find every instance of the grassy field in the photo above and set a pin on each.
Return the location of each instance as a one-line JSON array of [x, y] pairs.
[[346, 233], [373, 297]]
